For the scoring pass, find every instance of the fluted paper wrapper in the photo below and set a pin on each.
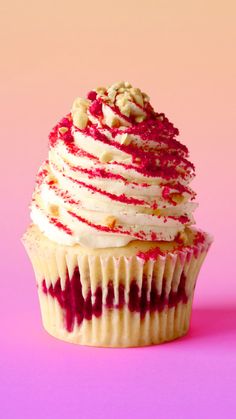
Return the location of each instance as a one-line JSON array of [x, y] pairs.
[[114, 301]]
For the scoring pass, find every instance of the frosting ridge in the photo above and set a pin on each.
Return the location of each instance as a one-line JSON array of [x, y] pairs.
[[115, 173]]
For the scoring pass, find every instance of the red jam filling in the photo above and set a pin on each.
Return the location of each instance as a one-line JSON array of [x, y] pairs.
[[76, 307]]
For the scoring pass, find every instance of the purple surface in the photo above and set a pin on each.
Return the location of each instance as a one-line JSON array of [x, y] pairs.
[[41, 377]]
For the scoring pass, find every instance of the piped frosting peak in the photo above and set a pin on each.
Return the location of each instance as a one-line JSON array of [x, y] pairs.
[[115, 173]]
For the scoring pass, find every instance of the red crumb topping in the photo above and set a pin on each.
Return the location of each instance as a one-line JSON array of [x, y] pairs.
[[166, 192], [148, 161], [105, 228], [61, 226], [75, 150], [199, 239], [183, 219], [96, 108], [151, 254], [55, 134], [121, 198], [92, 95]]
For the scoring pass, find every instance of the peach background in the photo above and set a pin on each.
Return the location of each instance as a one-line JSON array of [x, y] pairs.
[[182, 54]]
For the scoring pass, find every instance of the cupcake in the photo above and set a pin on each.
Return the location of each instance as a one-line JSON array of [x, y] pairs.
[[112, 242]]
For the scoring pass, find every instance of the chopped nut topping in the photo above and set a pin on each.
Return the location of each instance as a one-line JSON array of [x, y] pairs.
[[105, 157], [183, 237], [52, 180], [110, 221], [112, 94], [115, 122], [125, 139], [177, 198], [54, 209], [80, 119], [80, 102], [121, 94], [140, 118], [62, 130], [100, 90], [126, 110], [79, 112], [117, 85], [156, 212], [137, 95], [146, 98]]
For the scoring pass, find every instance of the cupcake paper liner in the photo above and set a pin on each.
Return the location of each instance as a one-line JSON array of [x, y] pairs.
[[114, 301]]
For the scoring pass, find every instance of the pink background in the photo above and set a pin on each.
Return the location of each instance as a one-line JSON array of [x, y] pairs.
[[181, 53]]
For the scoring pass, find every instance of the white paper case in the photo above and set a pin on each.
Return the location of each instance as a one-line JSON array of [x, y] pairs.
[[156, 294]]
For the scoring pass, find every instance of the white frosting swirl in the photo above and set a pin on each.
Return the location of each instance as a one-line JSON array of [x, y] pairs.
[[114, 174]]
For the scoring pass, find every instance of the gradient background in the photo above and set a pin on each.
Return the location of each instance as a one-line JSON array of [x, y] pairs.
[[182, 54]]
